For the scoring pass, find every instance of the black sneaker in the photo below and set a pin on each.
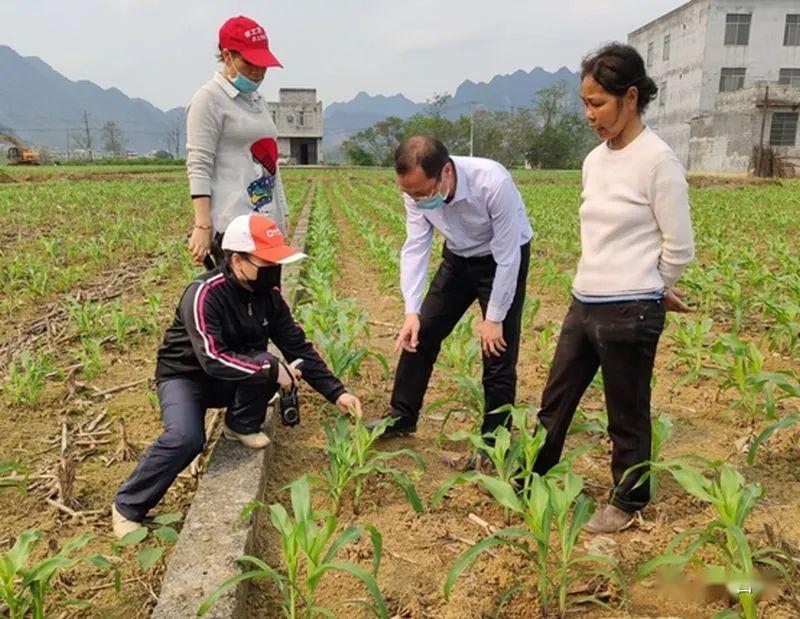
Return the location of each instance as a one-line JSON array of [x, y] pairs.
[[400, 426]]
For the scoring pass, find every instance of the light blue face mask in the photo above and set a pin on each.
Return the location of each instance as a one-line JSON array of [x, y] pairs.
[[244, 84], [431, 203]]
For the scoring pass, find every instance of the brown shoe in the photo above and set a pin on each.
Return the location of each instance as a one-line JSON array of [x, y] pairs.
[[609, 519]]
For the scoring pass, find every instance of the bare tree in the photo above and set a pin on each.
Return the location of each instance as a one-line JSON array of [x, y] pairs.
[[175, 136], [113, 139]]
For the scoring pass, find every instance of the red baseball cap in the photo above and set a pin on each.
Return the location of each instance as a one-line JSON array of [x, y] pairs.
[[241, 34], [260, 236]]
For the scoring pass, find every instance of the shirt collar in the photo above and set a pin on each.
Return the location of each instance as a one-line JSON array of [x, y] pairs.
[[462, 183], [229, 88]]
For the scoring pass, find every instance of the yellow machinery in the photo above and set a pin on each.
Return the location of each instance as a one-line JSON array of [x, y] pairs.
[[17, 154]]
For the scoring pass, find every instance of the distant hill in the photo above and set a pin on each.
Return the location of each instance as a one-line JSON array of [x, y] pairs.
[[502, 92], [42, 106]]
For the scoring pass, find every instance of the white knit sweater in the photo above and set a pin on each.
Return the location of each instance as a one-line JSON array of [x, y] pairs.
[[222, 126], [636, 230]]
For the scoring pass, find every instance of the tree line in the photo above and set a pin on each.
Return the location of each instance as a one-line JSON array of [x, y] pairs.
[[550, 134]]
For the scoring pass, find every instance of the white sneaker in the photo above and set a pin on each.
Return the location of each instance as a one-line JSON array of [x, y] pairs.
[[122, 526], [257, 440]]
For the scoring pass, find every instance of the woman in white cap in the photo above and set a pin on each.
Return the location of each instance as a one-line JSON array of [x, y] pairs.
[[215, 355], [231, 141]]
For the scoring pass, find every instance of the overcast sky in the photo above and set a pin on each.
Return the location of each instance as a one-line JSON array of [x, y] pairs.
[[163, 50]]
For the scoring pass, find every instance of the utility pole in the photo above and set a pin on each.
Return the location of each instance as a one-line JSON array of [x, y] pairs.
[[68, 152], [88, 135], [471, 128], [760, 171]]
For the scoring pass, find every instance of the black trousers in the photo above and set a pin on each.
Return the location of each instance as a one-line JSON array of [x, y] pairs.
[[184, 402], [456, 285], [621, 339]]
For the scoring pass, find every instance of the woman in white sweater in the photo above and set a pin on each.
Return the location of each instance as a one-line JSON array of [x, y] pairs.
[[636, 240], [231, 141]]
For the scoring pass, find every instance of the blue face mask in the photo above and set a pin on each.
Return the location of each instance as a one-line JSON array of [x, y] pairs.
[[244, 84], [431, 203]]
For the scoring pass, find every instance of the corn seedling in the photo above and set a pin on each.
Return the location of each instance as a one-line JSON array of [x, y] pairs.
[[14, 475], [511, 452], [309, 550], [733, 500], [352, 459], [553, 510], [29, 590], [741, 367], [691, 340], [26, 378]]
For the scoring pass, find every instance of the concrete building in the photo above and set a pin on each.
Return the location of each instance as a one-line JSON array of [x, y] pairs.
[[729, 78], [298, 116]]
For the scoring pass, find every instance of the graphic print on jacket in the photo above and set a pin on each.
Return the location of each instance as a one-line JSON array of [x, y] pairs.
[[265, 156]]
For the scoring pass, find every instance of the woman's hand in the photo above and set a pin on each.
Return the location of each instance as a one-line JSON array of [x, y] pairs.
[[200, 243], [673, 301], [350, 404]]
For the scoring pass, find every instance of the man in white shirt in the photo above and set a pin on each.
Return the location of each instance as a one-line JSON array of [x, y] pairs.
[[475, 205]]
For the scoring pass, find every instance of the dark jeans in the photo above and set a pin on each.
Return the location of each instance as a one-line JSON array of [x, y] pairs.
[[456, 285], [621, 339], [183, 406]]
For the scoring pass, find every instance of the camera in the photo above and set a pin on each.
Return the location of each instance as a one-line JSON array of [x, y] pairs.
[[289, 403]]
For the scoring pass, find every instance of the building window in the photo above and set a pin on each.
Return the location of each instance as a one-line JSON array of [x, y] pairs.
[[789, 77], [650, 48], [784, 129], [290, 118], [731, 79], [662, 94], [665, 54], [274, 117], [791, 35], [301, 118], [737, 28]]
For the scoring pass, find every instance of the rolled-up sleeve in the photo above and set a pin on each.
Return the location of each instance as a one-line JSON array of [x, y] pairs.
[[503, 208], [203, 127], [414, 258]]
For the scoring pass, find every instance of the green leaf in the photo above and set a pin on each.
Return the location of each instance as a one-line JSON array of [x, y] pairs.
[[503, 492], [166, 534], [466, 559], [369, 582], [167, 518], [136, 536], [767, 433], [149, 556]]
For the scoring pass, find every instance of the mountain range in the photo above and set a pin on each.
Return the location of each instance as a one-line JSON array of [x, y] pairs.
[[44, 107]]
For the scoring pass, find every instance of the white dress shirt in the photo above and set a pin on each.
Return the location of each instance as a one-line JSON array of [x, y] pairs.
[[486, 216]]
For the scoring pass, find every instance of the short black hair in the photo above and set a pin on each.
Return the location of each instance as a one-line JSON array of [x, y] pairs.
[[421, 150], [617, 67]]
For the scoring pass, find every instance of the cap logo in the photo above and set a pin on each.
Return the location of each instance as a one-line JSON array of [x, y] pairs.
[[270, 232], [255, 34]]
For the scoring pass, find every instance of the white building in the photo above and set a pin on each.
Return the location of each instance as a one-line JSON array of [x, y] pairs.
[[298, 116], [729, 78]]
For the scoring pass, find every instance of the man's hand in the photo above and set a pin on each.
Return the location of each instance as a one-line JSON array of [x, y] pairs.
[[492, 341], [673, 301], [409, 334], [285, 379], [350, 404]]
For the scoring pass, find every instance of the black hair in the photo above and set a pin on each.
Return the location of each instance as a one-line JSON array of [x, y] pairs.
[[421, 150], [617, 67]]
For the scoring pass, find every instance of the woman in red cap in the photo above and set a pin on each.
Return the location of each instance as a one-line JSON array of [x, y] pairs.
[[231, 141]]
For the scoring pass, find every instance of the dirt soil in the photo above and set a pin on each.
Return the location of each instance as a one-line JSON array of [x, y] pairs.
[[419, 550]]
